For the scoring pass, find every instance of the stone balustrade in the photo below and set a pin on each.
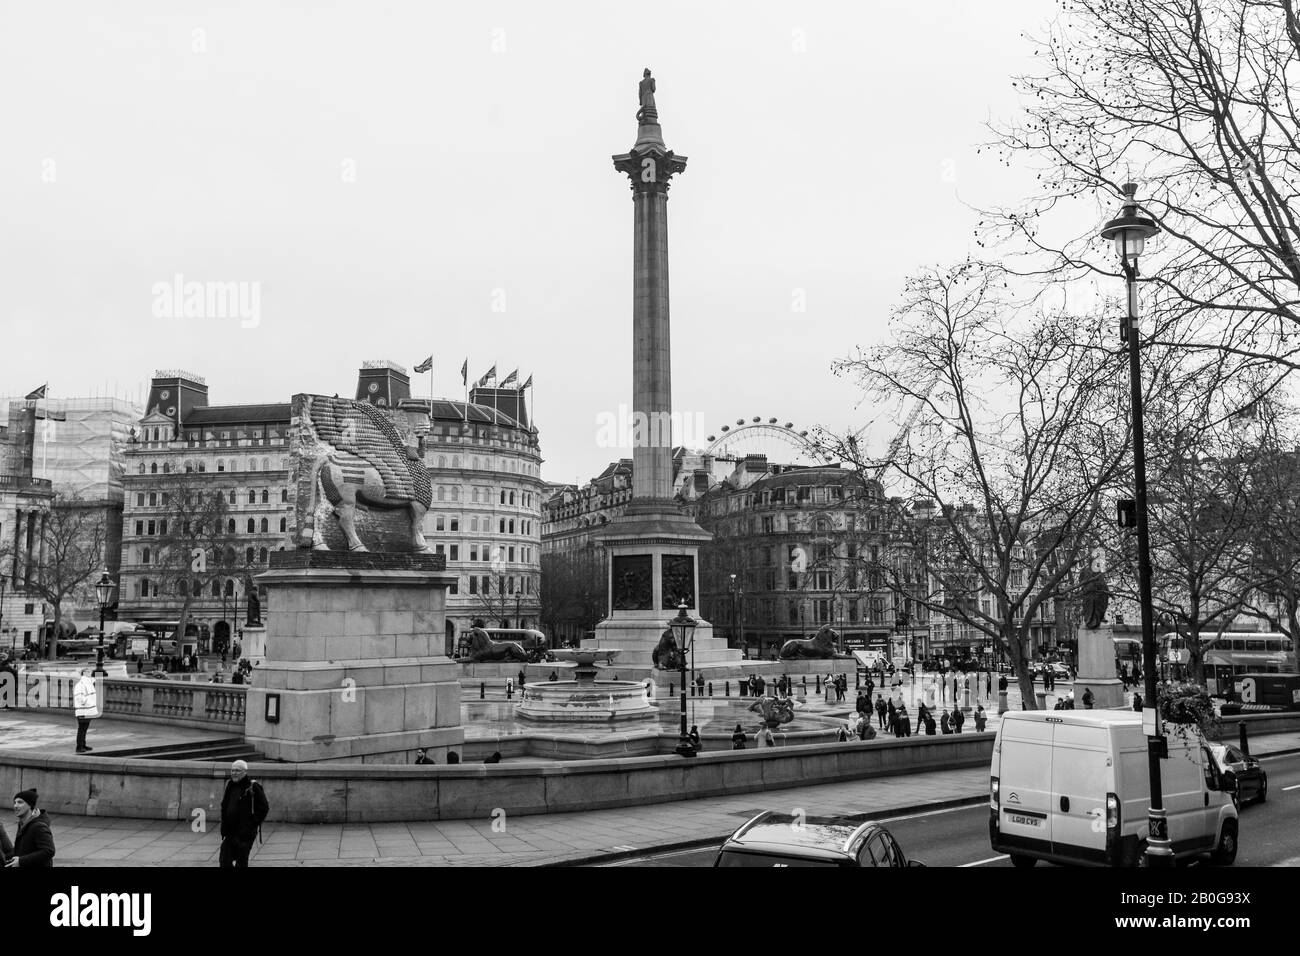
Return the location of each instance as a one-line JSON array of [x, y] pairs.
[[181, 703]]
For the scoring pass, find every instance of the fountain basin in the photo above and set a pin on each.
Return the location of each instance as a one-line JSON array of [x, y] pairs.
[[571, 701]]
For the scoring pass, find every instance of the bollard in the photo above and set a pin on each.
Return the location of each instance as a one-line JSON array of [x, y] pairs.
[[482, 690], [672, 690], [710, 688], [805, 683], [818, 682], [1241, 731], [726, 688]]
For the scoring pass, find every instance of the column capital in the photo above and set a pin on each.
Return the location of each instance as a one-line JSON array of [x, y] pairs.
[[650, 168]]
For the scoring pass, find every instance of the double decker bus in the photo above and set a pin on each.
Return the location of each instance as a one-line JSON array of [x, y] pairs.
[[1227, 655]]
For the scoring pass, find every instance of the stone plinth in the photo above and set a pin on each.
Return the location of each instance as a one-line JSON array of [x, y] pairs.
[[354, 653], [1097, 668], [252, 644]]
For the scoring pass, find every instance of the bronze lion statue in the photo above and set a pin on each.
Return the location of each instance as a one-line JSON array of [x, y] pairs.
[[482, 649], [667, 655], [820, 646]]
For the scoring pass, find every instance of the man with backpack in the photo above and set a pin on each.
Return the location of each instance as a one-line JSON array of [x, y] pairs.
[[243, 808]]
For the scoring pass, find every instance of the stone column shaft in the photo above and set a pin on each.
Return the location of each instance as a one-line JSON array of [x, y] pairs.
[[652, 466]]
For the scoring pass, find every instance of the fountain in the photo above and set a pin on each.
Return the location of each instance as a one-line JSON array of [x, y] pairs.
[[585, 699]]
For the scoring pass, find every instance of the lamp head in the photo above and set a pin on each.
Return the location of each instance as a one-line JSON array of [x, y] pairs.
[[104, 590], [683, 626], [1129, 230]]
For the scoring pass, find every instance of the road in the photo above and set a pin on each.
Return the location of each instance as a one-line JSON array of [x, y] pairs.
[[959, 836]]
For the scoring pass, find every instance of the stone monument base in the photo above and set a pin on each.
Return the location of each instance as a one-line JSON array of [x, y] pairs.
[[354, 670], [1097, 669]]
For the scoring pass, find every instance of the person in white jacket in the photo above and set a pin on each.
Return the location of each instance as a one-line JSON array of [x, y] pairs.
[[85, 700]]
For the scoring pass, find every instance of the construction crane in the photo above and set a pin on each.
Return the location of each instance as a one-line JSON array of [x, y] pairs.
[[900, 437]]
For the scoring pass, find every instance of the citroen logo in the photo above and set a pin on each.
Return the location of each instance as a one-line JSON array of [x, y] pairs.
[[1014, 798]]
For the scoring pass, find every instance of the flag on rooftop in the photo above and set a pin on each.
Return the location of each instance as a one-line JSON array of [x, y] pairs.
[[490, 374], [513, 376], [527, 384], [425, 365], [464, 372], [37, 393]]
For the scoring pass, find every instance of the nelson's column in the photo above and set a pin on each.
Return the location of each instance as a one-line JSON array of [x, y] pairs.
[[653, 547]]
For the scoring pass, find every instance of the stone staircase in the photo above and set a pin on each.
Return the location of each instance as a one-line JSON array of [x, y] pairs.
[[224, 749]]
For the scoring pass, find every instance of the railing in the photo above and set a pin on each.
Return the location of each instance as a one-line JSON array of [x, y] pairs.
[[18, 483], [194, 704]]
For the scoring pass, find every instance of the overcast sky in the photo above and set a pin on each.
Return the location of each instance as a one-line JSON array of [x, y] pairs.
[[414, 177]]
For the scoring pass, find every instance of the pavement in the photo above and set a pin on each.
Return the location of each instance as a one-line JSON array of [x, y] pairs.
[[540, 840]]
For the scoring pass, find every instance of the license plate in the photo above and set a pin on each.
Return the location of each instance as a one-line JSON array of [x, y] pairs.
[[1024, 821]]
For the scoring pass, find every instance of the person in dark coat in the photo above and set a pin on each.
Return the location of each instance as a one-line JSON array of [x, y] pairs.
[[843, 736], [860, 706], [33, 844], [944, 723], [738, 738], [422, 756], [694, 738], [243, 808], [958, 718], [904, 722], [880, 710], [981, 718], [891, 724], [930, 726], [871, 686], [1137, 701], [922, 715]]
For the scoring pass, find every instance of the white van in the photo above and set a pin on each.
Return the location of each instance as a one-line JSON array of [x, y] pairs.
[[1073, 786]]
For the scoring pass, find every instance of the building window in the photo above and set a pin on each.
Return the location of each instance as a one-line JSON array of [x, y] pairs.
[[473, 552], [512, 525], [139, 527], [503, 496], [455, 524], [503, 526], [144, 556], [454, 588], [511, 555], [284, 525], [248, 556], [455, 552], [152, 527], [442, 493], [512, 497], [216, 588], [473, 584], [139, 500], [230, 588], [265, 525], [144, 587], [284, 495], [438, 523], [262, 556], [252, 497], [221, 465], [252, 526], [230, 526]]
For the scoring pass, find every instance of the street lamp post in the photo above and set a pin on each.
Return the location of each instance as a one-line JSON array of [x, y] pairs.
[[104, 595], [734, 636], [683, 627], [1130, 232]]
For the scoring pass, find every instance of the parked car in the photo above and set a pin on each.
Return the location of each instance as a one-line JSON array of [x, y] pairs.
[[780, 839], [1059, 672], [1243, 775]]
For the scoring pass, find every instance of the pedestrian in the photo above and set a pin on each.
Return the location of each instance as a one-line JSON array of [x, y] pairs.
[[860, 705], [85, 700], [930, 725], [958, 718], [922, 715], [495, 758], [1088, 699], [243, 808], [892, 725], [988, 683], [871, 687], [944, 723], [554, 676], [422, 756], [738, 738], [843, 736], [904, 722], [694, 738], [699, 685], [981, 718], [1137, 701], [223, 655], [520, 682], [33, 844], [880, 710], [510, 688], [1069, 701], [1002, 683]]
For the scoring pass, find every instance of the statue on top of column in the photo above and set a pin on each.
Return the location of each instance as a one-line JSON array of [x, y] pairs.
[[646, 94]]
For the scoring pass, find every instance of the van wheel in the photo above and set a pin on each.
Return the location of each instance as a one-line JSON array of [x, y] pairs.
[[1022, 862], [1226, 852]]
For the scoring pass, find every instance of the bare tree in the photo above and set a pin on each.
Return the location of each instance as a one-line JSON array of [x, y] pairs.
[[196, 546], [69, 560], [572, 589], [1018, 430], [1275, 528], [1196, 101]]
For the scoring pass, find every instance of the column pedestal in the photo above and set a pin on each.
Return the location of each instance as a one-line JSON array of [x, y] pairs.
[[1097, 669]]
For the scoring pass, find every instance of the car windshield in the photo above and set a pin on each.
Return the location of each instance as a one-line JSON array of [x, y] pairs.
[[737, 858]]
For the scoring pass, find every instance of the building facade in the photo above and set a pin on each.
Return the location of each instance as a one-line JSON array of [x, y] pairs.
[[484, 517], [794, 549]]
